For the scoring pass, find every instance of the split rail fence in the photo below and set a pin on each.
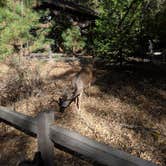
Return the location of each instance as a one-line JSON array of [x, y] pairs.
[[49, 136]]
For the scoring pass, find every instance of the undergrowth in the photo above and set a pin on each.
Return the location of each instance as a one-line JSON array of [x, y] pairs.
[[21, 82]]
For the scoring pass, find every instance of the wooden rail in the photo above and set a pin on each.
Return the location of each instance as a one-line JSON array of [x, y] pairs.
[[58, 57], [19, 121], [49, 135], [51, 56]]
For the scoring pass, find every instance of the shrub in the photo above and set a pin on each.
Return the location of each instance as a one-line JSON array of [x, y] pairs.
[[73, 40], [21, 82], [19, 27]]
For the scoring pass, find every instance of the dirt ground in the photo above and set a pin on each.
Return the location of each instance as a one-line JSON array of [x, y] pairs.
[[124, 108]]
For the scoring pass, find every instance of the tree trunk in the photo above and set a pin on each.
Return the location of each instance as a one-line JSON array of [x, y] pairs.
[[120, 57]]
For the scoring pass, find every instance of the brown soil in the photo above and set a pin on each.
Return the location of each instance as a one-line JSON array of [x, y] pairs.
[[124, 109]]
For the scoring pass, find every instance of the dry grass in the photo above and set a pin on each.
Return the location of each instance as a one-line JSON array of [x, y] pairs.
[[124, 109]]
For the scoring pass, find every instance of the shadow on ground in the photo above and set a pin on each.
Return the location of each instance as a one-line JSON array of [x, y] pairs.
[[142, 86]]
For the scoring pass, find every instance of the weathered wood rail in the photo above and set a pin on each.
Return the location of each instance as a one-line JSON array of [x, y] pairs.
[[50, 135], [51, 56], [58, 57]]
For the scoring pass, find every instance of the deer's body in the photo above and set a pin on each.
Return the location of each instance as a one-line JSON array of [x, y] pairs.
[[80, 82]]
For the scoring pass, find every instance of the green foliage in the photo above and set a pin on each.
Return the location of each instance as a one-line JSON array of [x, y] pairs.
[[154, 21], [14, 28], [117, 26], [73, 40], [16, 24], [3, 3], [124, 27]]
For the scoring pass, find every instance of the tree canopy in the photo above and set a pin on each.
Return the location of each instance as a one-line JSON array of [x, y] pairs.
[[122, 28]]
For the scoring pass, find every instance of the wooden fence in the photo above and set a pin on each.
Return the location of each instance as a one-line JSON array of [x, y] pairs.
[[50, 136], [58, 57]]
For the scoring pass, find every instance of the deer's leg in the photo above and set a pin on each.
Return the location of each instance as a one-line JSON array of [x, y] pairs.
[[77, 102], [86, 90]]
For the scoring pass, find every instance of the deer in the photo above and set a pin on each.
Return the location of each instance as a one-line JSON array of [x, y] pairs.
[[81, 81]]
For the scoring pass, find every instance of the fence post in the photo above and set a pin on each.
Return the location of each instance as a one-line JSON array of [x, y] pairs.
[[45, 145]]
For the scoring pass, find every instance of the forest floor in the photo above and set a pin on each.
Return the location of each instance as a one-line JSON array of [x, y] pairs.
[[124, 108]]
